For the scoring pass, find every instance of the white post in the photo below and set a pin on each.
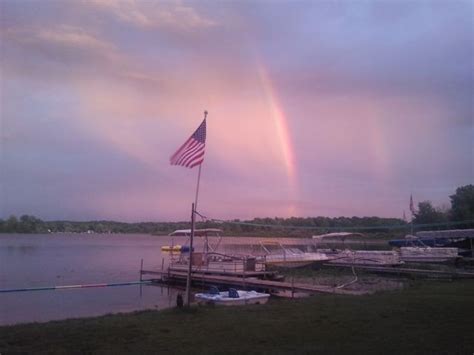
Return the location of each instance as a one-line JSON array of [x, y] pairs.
[[197, 187], [188, 280]]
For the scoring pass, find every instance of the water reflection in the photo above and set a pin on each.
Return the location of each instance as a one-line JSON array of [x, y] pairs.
[[21, 249]]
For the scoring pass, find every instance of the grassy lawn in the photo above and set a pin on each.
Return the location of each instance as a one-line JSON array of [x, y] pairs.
[[426, 318]]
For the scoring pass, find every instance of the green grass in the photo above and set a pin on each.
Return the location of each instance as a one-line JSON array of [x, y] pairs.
[[427, 318]]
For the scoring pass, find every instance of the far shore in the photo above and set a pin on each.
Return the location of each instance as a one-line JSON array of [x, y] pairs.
[[369, 237]]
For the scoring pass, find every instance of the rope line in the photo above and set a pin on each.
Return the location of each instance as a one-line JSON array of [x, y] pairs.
[[64, 287]]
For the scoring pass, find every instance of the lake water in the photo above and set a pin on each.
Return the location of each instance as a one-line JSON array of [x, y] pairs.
[[70, 259], [38, 260]]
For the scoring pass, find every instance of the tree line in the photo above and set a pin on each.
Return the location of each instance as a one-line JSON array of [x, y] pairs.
[[256, 226], [462, 209]]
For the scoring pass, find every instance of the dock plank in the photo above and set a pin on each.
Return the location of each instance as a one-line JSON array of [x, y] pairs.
[[225, 272], [252, 282], [397, 270]]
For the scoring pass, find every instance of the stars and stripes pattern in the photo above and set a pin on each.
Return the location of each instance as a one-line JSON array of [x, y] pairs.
[[191, 153]]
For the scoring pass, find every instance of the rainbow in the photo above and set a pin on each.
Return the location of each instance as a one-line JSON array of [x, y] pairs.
[[281, 126]]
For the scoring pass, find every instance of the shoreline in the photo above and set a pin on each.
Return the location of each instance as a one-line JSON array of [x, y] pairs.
[[429, 317]]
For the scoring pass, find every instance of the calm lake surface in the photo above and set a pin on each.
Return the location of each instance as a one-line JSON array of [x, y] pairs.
[[39, 260], [70, 259]]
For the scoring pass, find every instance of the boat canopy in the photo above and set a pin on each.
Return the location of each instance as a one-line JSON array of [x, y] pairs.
[[197, 232], [340, 235]]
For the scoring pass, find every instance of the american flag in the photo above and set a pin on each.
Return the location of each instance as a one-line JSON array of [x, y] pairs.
[[191, 153]]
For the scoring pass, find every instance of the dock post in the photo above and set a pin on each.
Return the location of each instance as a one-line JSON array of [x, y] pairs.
[[292, 286], [472, 250], [141, 270], [188, 280], [162, 267], [245, 283]]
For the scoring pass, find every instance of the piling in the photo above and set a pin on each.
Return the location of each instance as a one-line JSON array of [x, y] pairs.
[[141, 269]]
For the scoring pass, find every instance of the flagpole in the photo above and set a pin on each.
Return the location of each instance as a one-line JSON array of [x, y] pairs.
[[193, 220], [190, 262], [199, 178], [197, 188]]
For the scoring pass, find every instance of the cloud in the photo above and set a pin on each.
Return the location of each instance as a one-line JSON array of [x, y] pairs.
[[55, 53], [152, 15], [377, 100], [62, 36], [68, 36], [62, 55]]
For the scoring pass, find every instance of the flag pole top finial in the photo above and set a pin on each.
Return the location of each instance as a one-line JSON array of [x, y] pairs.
[[205, 114]]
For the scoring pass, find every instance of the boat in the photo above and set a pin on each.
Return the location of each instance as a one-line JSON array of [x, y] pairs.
[[232, 297], [463, 239], [414, 241], [207, 260], [220, 264], [364, 257], [428, 254], [355, 257], [207, 232], [175, 248], [289, 257]]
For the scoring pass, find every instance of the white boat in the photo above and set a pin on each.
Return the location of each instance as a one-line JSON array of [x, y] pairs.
[[232, 297], [364, 257], [289, 257], [428, 254], [215, 263], [356, 257]]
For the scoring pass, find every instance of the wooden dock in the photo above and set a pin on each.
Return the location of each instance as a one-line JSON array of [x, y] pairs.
[[408, 271], [271, 286], [259, 274]]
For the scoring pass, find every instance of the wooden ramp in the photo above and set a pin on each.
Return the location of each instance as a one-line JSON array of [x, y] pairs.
[[268, 285], [408, 271]]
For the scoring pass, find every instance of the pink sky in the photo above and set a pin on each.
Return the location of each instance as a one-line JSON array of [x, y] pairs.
[[315, 108]]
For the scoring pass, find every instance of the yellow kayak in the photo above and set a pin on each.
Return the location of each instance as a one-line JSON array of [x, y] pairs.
[[171, 248]]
